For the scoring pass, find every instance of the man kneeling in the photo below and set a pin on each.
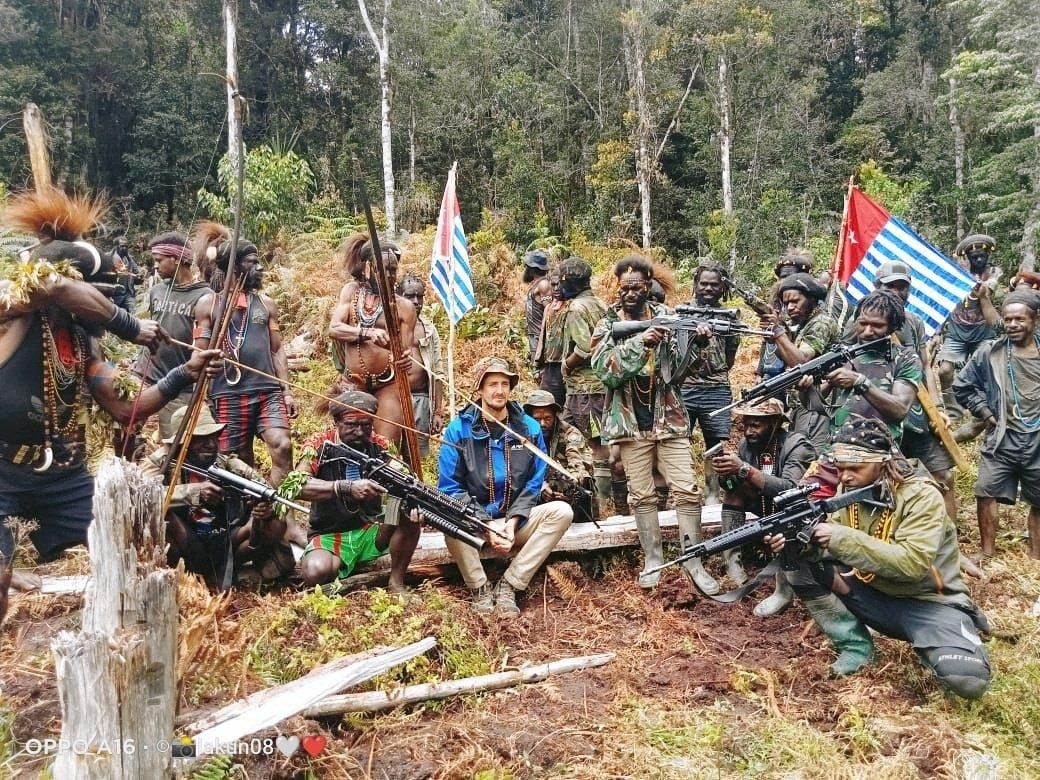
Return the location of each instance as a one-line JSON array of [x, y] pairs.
[[482, 462], [348, 524], [895, 569], [215, 532]]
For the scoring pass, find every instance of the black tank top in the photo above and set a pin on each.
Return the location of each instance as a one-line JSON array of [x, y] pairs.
[[535, 309], [21, 390], [248, 341]]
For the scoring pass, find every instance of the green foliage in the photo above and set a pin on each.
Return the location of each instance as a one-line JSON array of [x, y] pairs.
[[898, 198], [274, 193]]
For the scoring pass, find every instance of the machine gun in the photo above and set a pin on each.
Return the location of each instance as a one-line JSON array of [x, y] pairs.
[[243, 486], [796, 518], [816, 368], [721, 322], [457, 519]]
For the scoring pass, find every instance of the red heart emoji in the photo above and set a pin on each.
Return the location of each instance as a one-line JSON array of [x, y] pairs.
[[314, 744]]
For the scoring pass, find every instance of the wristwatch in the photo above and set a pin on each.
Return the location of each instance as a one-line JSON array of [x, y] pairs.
[[861, 384], [743, 471]]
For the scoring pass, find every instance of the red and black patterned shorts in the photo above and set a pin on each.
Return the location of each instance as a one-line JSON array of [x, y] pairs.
[[244, 416]]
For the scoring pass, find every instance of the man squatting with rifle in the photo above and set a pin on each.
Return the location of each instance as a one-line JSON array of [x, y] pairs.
[[50, 362], [893, 567], [349, 521], [211, 524], [568, 447], [769, 460], [486, 460]]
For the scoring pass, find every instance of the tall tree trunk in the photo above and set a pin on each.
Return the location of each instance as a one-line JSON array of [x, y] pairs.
[[958, 156], [725, 146], [411, 151], [1031, 228], [383, 52], [233, 119], [635, 61]]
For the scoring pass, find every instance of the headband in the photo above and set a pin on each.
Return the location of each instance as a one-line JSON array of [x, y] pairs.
[[851, 453], [171, 250]]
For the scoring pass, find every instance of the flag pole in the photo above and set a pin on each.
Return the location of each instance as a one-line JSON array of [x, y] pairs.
[[839, 251], [452, 407]]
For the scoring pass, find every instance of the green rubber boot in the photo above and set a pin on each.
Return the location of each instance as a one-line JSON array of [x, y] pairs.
[[848, 635]]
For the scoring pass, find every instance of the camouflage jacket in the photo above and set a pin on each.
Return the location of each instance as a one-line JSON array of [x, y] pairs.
[[569, 447], [918, 558], [883, 372], [550, 344], [582, 315], [617, 364]]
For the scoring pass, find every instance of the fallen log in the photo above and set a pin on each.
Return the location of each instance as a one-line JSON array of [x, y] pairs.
[[376, 701], [266, 708]]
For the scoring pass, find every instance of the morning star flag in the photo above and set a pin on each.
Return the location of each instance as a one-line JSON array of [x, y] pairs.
[[873, 236], [450, 272]]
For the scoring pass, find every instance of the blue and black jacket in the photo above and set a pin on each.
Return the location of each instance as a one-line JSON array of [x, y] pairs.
[[463, 470]]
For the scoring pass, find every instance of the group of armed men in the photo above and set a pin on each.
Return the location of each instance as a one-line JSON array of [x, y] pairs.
[[620, 388]]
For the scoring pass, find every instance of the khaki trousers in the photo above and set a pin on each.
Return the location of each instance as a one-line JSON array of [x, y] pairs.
[[675, 462], [533, 542]]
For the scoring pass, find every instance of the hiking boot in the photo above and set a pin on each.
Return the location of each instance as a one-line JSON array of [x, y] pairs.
[[505, 598], [483, 599], [653, 547], [848, 635]]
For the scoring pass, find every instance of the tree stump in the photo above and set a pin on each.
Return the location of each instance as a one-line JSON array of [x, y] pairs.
[[116, 677]]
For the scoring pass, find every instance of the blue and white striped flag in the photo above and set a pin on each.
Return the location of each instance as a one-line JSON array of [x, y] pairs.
[[873, 237], [450, 273]]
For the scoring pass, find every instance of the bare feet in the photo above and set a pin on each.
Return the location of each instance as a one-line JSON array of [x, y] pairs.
[[25, 581], [973, 569]]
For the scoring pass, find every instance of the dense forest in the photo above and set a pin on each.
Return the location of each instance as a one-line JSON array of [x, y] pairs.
[[699, 126]]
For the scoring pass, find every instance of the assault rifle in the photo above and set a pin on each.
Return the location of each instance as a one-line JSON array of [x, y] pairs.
[[796, 518], [816, 368], [243, 486], [721, 322], [455, 518]]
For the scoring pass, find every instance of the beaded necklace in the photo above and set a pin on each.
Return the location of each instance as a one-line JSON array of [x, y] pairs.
[[768, 454], [882, 530], [367, 318], [646, 397], [506, 488], [234, 338], [1031, 424], [59, 377]]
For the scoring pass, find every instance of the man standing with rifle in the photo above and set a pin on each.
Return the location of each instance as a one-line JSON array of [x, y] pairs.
[[809, 333], [486, 460], [708, 388], [349, 523], [213, 528], [645, 416], [893, 568]]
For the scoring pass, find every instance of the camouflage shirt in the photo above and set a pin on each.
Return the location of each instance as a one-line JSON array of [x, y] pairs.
[[552, 333], [582, 315], [619, 364], [819, 333], [717, 358], [883, 374], [569, 448]]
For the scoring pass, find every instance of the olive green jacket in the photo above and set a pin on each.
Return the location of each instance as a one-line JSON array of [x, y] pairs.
[[921, 553]]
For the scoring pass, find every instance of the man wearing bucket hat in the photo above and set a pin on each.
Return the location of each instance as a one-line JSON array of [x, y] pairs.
[[212, 530], [975, 319], [349, 522], [892, 566], [768, 461], [485, 464], [568, 447], [539, 293]]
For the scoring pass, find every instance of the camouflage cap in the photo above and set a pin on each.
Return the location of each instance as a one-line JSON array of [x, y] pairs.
[[540, 398], [493, 365], [975, 241], [770, 407], [575, 268], [205, 425]]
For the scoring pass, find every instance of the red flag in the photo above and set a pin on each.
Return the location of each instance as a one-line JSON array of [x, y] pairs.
[[864, 221]]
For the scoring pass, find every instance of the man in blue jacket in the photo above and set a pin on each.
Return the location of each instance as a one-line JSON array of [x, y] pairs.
[[1000, 386], [483, 463]]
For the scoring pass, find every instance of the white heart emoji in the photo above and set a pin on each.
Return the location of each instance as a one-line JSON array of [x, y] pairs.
[[287, 746]]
